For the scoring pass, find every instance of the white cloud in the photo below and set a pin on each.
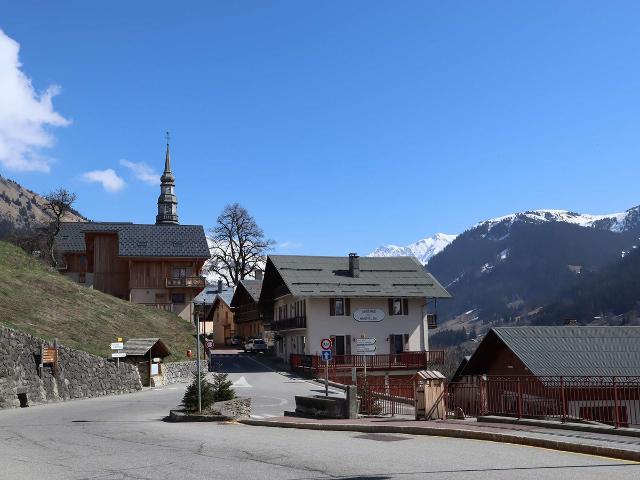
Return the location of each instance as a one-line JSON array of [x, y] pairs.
[[142, 171], [24, 114], [290, 244], [109, 179]]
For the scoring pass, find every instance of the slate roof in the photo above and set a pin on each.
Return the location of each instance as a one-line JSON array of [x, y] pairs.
[[210, 292], [313, 276], [140, 346], [253, 288], [139, 240], [575, 350]]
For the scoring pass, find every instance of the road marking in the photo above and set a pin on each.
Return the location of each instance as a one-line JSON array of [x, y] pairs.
[[241, 383], [258, 417]]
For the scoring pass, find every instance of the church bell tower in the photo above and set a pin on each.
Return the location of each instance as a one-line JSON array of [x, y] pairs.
[[167, 202]]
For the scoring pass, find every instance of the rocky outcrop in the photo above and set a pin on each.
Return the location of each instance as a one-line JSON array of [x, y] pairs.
[[79, 374]]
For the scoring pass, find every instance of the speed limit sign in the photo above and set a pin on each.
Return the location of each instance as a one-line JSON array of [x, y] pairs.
[[326, 344]]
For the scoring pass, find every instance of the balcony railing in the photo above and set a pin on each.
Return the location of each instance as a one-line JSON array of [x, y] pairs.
[[394, 361], [289, 323], [186, 282]]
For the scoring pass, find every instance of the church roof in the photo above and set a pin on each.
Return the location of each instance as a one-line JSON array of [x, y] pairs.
[[138, 240]]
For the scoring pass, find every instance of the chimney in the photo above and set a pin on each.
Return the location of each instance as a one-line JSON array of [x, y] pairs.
[[258, 274], [219, 286], [354, 265], [571, 322]]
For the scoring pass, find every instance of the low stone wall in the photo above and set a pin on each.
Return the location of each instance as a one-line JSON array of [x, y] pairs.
[[80, 375], [179, 372]]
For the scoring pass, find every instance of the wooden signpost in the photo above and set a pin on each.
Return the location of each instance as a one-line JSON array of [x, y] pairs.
[[49, 356]]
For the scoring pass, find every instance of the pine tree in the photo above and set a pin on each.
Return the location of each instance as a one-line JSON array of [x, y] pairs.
[[221, 387], [190, 399]]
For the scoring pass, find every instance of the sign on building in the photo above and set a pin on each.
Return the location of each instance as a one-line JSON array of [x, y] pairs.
[[368, 315], [365, 346]]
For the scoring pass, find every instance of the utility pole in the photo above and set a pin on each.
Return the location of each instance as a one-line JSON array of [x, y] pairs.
[[198, 358]]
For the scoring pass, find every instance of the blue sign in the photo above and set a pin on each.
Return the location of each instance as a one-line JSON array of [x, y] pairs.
[[326, 355]]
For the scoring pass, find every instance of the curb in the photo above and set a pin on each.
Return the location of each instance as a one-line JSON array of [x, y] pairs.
[[181, 416], [611, 452], [576, 427]]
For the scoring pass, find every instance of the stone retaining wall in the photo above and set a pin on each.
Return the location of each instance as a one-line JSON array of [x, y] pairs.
[[180, 372], [80, 375]]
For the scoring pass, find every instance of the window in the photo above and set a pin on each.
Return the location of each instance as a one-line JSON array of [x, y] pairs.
[[179, 272], [339, 307], [398, 306], [177, 298]]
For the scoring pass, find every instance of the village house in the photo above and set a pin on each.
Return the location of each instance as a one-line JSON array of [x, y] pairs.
[[218, 320], [380, 308], [158, 265], [250, 320], [553, 372]]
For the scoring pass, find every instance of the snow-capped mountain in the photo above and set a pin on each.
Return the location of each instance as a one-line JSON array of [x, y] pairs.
[[616, 222], [423, 249]]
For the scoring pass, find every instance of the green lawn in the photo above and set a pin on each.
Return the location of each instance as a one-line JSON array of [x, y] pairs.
[[40, 301]]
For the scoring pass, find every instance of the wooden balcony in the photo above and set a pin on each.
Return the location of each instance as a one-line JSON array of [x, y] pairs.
[[185, 282], [395, 361], [289, 323]]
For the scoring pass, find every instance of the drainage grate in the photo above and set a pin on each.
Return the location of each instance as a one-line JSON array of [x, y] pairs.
[[381, 437]]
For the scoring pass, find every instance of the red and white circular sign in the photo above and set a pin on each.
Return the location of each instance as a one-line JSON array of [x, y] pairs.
[[326, 344]]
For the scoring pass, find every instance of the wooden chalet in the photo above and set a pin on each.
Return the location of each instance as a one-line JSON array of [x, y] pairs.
[[250, 320], [158, 265]]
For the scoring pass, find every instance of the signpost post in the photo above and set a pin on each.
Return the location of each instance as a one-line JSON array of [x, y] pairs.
[[118, 352], [326, 345], [364, 347]]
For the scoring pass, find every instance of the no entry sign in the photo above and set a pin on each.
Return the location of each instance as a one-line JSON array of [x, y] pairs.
[[325, 344]]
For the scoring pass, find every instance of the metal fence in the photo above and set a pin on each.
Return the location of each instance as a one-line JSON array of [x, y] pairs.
[[387, 399], [609, 400]]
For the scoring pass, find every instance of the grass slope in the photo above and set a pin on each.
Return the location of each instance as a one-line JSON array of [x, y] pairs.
[[44, 303]]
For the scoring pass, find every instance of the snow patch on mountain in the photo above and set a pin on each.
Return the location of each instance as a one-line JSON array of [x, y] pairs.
[[616, 222], [423, 249]]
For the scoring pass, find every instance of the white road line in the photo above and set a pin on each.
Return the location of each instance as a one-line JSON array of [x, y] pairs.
[[241, 383]]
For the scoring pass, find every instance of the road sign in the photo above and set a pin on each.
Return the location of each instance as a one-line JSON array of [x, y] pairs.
[[365, 349], [117, 346], [365, 341], [49, 355], [208, 344], [118, 355], [326, 355], [326, 344]]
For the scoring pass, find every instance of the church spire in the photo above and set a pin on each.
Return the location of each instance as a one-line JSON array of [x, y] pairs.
[[167, 202]]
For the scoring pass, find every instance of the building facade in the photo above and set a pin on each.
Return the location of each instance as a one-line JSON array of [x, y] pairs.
[[218, 320], [374, 306], [250, 321], [158, 265]]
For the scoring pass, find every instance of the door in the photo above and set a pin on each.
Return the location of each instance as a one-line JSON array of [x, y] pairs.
[[396, 343]]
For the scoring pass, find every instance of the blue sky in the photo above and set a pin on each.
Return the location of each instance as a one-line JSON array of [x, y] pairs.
[[339, 125]]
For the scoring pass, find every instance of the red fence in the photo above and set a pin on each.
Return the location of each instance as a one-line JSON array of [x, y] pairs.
[[387, 399], [396, 361], [610, 400]]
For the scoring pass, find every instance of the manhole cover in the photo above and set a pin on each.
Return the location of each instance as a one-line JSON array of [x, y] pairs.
[[381, 437]]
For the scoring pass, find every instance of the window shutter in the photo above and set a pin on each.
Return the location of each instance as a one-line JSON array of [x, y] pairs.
[[332, 307], [347, 307], [333, 345], [406, 341], [405, 306], [391, 343], [347, 347], [391, 306]]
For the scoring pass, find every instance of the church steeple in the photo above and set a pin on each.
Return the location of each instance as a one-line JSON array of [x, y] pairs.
[[167, 202]]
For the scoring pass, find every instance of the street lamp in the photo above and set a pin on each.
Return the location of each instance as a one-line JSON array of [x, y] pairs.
[[197, 322]]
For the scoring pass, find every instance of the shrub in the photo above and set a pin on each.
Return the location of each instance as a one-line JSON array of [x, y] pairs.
[[221, 387], [190, 399]]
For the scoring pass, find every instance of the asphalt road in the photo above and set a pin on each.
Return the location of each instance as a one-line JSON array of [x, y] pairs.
[[271, 391], [124, 437]]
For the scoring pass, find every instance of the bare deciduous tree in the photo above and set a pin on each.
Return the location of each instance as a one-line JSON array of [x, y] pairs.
[[238, 245], [59, 202]]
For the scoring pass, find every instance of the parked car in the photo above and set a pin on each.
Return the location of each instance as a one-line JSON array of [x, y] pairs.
[[234, 341], [255, 345]]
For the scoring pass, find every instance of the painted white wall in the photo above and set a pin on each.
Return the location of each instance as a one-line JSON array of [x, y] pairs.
[[321, 325]]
